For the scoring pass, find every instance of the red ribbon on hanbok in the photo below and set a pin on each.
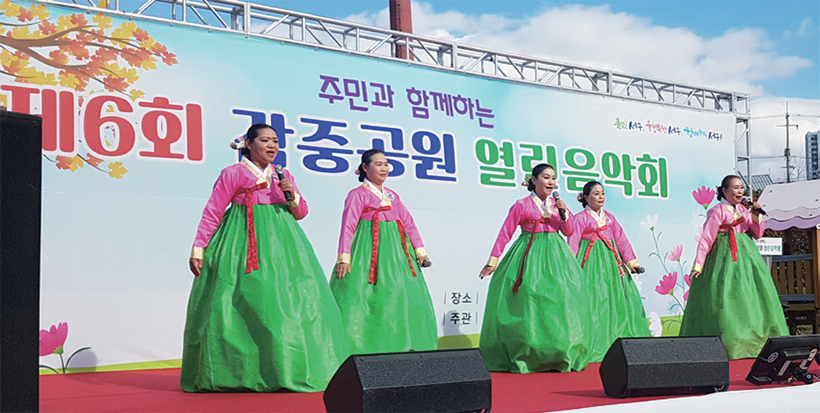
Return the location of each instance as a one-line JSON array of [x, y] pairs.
[[252, 261], [374, 254], [732, 239], [599, 234], [534, 223]]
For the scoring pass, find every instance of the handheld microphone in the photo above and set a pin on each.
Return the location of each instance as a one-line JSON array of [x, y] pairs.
[[556, 196], [427, 264], [281, 176], [638, 270], [747, 202]]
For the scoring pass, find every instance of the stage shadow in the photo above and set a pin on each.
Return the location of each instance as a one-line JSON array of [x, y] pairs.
[[154, 380], [599, 394]]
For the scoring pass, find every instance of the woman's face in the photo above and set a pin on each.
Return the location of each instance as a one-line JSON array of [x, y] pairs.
[[734, 193], [264, 147], [378, 169], [544, 183], [596, 198]]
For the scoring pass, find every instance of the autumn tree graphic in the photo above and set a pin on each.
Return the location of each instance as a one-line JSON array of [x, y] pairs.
[[72, 52]]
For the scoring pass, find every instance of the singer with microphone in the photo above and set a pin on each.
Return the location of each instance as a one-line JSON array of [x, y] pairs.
[[537, 311], [606, 256], [732, 293], [377, 280], [261, 316]]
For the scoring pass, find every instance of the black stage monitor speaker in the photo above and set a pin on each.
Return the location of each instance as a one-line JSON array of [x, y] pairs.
[[653, 366], [20, 175], [785, 359], [423, 381]]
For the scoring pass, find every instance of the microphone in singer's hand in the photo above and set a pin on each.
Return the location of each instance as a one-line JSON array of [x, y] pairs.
[[281, 176], [747, 202], [427, 264], [639, 270], [556, 196]]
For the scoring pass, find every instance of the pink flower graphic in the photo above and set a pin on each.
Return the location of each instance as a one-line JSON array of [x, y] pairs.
[[688, 279], [667, 284], [704, 196], [675, 253], [53, 339], [52, 342]]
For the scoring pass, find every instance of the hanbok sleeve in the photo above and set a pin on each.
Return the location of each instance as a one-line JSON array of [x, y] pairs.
[[506, 233], [223, 191], [756, 225], [574, 240], [298, 206], [354, 203], [410, 226], [624, 247], [565, 226], [707, 238]]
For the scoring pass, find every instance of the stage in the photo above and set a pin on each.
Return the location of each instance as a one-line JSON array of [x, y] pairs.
[[158, 391]]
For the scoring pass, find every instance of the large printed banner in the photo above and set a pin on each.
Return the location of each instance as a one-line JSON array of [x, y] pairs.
[[137, 120]]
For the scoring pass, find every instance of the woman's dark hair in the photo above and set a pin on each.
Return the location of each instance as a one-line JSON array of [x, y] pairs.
[[727, 180], [367, 156], [251, 134], [535, 172], [582, 197]]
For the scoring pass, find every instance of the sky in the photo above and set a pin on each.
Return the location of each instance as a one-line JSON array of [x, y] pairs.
[[767, 49]]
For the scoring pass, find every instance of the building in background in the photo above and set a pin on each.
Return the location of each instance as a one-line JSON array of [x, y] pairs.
[[812, 156]]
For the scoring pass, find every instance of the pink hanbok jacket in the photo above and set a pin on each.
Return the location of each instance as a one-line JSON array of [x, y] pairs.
[[363, 202], [532, 216], [228, 188], [725, 218], [587, 225]]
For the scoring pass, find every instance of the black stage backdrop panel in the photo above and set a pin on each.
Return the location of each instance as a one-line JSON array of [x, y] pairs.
[[652, 366], [424, 381], [20, 199]]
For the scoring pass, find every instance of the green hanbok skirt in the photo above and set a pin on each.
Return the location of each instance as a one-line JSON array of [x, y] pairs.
[[275, 328], [542, 327], [616, 305], [734, 300], [396, 313]]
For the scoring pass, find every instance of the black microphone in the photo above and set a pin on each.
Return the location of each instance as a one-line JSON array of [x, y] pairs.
[[556, 196], [281, 176], [638, 270], [427, 264], [747, 202]]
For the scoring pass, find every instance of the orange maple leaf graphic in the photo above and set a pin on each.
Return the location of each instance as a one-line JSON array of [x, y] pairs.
[[58, 56], [169, 58], [47, 27], [159, 48], [133, 57], [116, 170], [79, 20], [115, 83], [141, 34], [63, 162], [93, 160], [15, 66], [25, 15]]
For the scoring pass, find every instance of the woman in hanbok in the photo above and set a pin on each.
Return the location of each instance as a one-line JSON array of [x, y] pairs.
[[377, 280], [606, 256], [537, 310], [732, 293], [260, 316]]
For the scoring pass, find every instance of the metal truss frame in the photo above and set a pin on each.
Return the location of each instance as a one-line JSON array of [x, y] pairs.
[[254, 20]]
